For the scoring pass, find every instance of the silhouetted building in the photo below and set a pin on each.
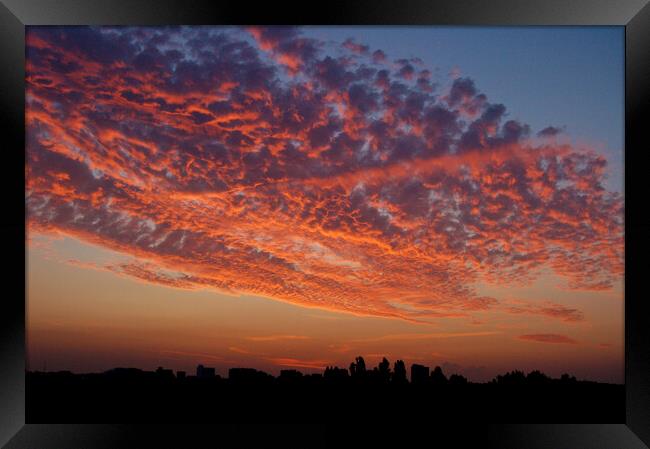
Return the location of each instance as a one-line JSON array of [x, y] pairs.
[[203, 372], [180, 375], [124, 372], [164, 373], [419, 374], [248, 375], [290, 374]]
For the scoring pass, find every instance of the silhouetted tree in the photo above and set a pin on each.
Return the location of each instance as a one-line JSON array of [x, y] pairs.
[[358, 367], [565, 378], [335, 373], [537, 377], [361, 365], [437, 376], [512, 378], [399, 372], [457, 379], [384, 370]]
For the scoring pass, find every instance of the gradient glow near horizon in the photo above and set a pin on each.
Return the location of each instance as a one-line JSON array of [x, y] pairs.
[[294, 197]]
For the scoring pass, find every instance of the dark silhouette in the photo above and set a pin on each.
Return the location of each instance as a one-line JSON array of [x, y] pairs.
[[419, 374], [135, 395], [335, 374], [290, 374], [437, 376], [249, 376], [399, 372], [565, 378], [511, 378], [382, 371], [457, 379], [358, 368], [165, 373], [537, 377], [203, 372]]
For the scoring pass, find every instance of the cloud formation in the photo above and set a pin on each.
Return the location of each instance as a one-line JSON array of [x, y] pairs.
[[299, 363], [548, 338], [550, 131], [255, 161], [277, 338], [548, 309]]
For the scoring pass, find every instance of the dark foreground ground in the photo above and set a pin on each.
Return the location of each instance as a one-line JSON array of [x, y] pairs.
[[132, 396]]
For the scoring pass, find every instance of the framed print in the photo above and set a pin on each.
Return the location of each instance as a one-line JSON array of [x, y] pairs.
[[417, 216]]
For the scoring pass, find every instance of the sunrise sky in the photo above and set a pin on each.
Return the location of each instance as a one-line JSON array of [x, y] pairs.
[[294, 197]]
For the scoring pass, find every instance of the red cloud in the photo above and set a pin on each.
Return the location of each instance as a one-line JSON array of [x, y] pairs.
[[548, 338], [264, 338], [548, 309], [298, 363], [348, 188], [286, 45], [355, 47]]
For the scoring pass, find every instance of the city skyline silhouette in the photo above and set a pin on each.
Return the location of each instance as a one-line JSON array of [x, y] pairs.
[[246, 392]]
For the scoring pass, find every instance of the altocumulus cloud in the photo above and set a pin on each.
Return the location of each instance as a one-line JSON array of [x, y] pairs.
[[257, 161]]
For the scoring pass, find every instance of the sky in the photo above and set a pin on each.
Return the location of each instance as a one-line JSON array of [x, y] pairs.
[[295, 197]]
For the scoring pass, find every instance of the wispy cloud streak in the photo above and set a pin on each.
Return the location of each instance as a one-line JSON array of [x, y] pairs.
[[548, 338], [265, 338]]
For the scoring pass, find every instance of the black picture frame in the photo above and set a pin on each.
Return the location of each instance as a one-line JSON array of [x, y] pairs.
[[634, 15]]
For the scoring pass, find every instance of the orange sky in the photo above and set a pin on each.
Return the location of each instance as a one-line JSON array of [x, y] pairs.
[[86, 319], [247, 199]]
